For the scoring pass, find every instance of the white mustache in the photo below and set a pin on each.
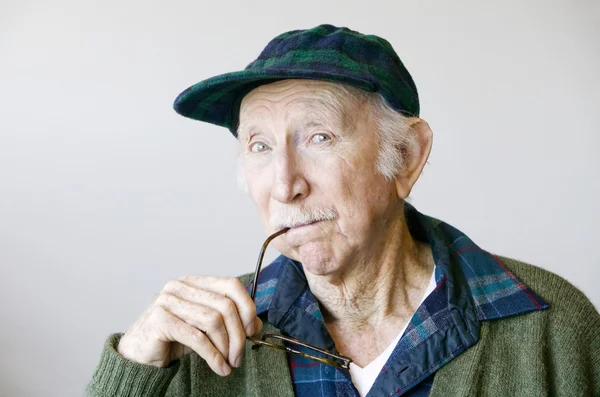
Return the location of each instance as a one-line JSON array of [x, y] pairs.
[[301, 215]]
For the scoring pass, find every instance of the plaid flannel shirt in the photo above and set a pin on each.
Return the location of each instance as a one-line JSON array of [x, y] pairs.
[[472, 286]]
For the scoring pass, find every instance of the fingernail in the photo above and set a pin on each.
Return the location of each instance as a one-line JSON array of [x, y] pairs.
[[238, 362], [226, 369]]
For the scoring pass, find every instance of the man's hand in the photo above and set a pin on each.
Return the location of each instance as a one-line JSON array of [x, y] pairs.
[[209, 315]]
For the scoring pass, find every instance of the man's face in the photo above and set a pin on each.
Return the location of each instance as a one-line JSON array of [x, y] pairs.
[[311, 163]]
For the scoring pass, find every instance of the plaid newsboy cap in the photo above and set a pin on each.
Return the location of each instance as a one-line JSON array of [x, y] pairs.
[[326, 52]]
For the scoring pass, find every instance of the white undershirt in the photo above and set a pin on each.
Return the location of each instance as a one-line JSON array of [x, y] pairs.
[[363, 378]]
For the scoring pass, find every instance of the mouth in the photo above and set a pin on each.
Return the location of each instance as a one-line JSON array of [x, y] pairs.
[[301, 229], [304, 224]]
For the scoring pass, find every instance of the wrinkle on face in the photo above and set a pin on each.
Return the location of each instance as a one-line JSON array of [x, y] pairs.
[[363, 267], [342, 173], [309, 101]]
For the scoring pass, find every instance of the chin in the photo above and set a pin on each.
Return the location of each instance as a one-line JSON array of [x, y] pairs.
[[316, 258]]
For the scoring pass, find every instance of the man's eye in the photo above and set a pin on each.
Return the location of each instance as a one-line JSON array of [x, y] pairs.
[[319, 138], [258, 147]]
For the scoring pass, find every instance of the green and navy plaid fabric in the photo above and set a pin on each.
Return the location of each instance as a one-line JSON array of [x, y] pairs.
[[472, 286], [326, 52]]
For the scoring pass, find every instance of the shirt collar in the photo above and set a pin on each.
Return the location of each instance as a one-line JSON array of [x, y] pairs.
[[477, 281]]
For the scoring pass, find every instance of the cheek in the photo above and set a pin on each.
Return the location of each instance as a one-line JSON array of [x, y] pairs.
[[258, 189], [359, 195], [344, 183]]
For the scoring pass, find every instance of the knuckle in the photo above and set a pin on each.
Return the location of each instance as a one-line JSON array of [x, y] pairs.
[[228, 307], [162, 319], [159, 314], [196, 335], [186, 278], [166, 299], [160, 300], [235, 284], [214, 320], [217, 325], [237, 343], [248, 312], [252, 312], [215, 356], [184, 329], [158, 310], [173, 285]]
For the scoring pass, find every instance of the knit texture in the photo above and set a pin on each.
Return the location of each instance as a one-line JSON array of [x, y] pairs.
[[471, 286], [554, 352], [547, 353]]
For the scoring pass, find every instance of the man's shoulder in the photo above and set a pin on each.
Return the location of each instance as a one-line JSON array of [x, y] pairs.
[[554, 351], [564, 299]]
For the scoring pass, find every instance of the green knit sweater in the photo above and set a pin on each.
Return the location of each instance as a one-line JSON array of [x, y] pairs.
[[555, 352]]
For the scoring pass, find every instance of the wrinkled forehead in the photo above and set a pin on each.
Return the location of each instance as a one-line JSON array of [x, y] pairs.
[[297, 101]]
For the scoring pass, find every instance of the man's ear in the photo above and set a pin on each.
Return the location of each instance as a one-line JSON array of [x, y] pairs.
[[415, 156]]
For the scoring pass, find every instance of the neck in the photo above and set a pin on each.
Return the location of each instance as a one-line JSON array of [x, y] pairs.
[[377, 294]]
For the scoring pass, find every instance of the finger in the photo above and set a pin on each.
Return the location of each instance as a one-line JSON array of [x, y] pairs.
[[224, 305], [258, 325], [178, 330], [233, 289], [201, 317]]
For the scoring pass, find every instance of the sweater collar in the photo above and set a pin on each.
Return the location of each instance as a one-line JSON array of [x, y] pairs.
[[477, 282]]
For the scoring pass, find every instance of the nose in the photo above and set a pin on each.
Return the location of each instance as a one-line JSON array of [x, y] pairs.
[[289, 184]]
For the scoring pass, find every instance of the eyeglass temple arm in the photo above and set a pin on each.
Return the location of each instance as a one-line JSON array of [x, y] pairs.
[[260, 259], [304, 344]]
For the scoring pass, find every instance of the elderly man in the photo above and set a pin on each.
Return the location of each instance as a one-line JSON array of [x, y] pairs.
[[369, 297]]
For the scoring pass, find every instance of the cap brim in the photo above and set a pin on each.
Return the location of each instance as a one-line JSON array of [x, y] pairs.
[[217, 100]]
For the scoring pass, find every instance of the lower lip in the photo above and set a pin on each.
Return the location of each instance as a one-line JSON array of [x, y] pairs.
[[300, 229]]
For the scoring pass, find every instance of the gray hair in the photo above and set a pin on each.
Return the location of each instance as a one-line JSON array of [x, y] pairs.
[[395, 134]]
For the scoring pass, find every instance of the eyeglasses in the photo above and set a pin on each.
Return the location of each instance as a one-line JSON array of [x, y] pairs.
[[330, 357]]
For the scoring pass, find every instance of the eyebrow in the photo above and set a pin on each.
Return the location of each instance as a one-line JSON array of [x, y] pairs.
[[306, 122], [243, 130], [246, 126]]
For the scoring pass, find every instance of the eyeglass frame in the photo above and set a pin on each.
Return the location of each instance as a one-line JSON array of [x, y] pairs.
[[258, 342]]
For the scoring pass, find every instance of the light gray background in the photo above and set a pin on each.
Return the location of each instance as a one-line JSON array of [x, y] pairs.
[[106, 194]]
